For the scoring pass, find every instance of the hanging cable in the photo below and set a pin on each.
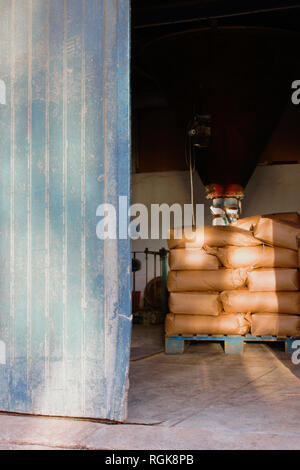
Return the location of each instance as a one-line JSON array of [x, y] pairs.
[[190, 161], [192, 169]]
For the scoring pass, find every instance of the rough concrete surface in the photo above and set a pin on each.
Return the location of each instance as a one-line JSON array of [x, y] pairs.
[[203, 399]]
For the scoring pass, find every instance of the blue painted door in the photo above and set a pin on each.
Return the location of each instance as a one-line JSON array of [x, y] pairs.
[[65, 317]]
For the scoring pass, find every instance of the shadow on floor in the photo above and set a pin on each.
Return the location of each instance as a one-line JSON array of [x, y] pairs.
[[208, 390], [287, 360], [146, 341]]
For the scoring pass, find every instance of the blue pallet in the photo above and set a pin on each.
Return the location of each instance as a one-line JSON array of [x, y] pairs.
[[232, 344]]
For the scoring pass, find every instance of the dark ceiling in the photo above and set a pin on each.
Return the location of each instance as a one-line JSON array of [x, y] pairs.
[[152, 17], [159, 121]]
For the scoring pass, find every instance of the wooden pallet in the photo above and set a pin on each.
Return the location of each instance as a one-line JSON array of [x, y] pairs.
[[232, 344]]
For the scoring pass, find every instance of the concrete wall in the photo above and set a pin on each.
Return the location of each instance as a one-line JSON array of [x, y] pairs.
[[157, 188], [271, 189]]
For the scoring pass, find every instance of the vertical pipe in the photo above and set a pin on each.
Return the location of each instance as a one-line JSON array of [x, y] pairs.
[[155, 285], [146, 257], [134, 257], [164, 263]]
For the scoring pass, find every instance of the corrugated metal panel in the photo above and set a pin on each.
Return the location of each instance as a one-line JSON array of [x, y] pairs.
[[64, 131]]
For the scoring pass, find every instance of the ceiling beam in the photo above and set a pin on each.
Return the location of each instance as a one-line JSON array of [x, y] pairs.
[[190, 13]]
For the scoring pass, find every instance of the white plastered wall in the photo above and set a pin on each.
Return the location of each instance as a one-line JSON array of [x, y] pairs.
[[272, 188]]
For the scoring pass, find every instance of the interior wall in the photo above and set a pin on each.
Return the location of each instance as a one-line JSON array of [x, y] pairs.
[[157, 188], [272, 188]]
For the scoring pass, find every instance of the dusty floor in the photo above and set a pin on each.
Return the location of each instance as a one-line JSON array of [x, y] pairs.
[[200, 400]]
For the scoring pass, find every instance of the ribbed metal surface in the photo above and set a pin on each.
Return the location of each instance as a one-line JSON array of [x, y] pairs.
[[64, 131]]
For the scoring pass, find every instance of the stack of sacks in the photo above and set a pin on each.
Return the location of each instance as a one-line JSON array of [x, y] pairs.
[[240, 278], [250, 222], [272, 296], [197, 279]]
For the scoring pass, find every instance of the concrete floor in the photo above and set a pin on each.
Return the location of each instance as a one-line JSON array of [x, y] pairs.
[[200, 400]]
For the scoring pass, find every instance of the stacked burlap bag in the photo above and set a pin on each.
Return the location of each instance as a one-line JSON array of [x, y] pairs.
[[197, 278], [232, 280]]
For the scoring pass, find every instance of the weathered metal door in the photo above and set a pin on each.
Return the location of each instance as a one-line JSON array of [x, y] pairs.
[[65, 317]]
